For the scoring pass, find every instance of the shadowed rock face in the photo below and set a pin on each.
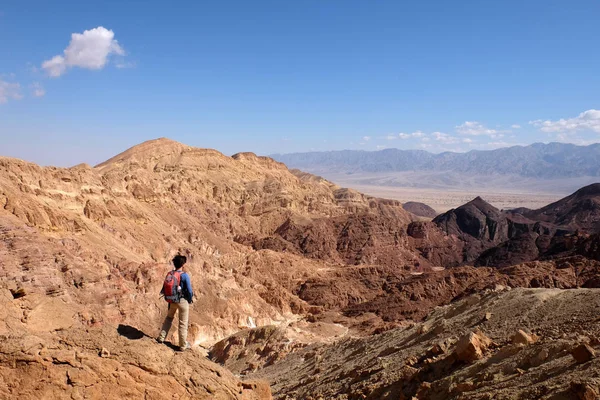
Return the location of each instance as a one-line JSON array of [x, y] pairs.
[[579, 211], [480, 225], [498, 238], [477, 219]]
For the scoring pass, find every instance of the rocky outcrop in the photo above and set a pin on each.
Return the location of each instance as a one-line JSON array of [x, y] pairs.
[[49, 349], [477, 223], [419, 209]]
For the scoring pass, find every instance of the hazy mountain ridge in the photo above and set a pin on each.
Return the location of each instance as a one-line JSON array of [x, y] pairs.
[[547, 161]]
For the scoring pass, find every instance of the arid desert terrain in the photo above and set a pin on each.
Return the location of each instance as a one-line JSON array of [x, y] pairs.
[[304, 289]]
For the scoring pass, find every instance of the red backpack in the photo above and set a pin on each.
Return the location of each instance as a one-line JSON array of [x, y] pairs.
[[172, 287]]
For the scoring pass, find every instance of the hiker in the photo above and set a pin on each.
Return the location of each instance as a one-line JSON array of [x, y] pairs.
[[177, 289]]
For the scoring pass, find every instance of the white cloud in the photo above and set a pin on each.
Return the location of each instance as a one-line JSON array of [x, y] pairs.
[[425, 139], [516, 126], [586, 121], [89, 50], [366, 138], [391, 137], [570, 138], [444, 138], [9, 91], [56, 66], [381, 147], [416, 134], [37, 90], [474, 128], [467, 140]]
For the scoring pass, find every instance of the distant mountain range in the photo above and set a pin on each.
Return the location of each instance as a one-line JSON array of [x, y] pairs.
[[545, 161]]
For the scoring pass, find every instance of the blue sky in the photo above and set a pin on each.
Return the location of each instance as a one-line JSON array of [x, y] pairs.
[[281, 76]]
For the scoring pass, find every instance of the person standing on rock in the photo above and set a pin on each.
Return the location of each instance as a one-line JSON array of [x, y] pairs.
[[177, 290]]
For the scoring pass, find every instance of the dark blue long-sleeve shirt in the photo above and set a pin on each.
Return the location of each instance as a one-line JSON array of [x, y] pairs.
[[186, 287]]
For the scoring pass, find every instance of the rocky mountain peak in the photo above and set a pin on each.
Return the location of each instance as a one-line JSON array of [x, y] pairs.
[[589, 190], [481, 205], [147, 151]]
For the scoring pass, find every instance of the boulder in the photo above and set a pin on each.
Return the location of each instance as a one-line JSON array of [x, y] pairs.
[[472, 346], [583, 353], [522, 338], [539, 358]]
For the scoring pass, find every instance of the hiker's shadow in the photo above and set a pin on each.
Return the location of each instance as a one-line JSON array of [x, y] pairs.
[[171, 345], [132, 333]]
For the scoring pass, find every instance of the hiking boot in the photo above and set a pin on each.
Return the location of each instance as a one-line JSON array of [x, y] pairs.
[[185, 347]]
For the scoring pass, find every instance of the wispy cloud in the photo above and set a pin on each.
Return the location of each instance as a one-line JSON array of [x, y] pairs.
[[37, 90], [475, 128], [416, 134], [90, 50], [366, 138], [445, 138], [586, 121], [515, 126], [9, 91]]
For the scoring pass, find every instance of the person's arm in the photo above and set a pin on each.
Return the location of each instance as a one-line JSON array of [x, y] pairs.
[[188, 287]]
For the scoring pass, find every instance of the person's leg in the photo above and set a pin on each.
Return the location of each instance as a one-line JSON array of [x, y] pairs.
[[184, 309], [168, 322]]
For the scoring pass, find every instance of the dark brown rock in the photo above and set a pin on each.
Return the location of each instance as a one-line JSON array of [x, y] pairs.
[[583, 353]]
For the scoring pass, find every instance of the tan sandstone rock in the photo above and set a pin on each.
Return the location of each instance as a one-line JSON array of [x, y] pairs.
[[522, 338], [472, 346]]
